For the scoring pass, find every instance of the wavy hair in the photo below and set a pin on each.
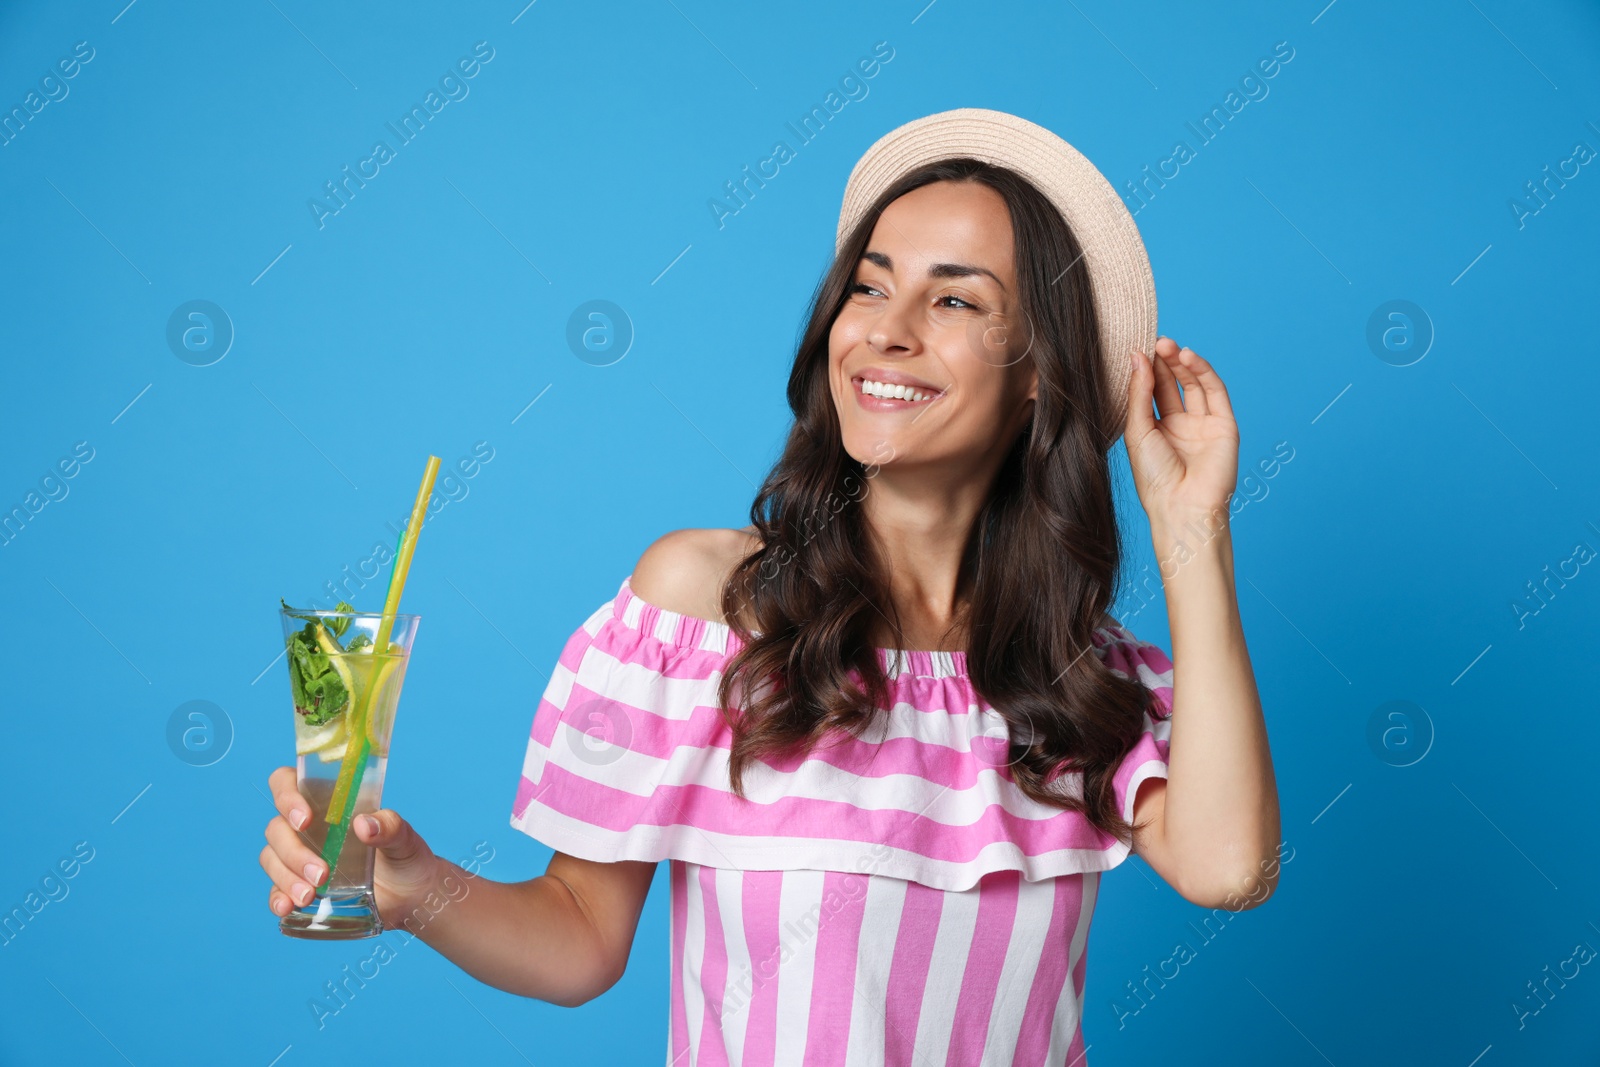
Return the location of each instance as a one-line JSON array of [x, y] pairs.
[[1045, 541]]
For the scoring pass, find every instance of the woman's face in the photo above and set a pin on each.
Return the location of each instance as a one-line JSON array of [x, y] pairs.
[[934, 306]]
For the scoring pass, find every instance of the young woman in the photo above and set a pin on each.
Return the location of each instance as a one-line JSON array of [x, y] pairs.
[[887, 736]]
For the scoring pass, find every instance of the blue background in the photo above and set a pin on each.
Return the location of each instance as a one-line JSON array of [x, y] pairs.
[[1382, 563]]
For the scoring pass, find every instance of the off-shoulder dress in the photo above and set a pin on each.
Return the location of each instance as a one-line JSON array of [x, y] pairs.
[[893, 899]]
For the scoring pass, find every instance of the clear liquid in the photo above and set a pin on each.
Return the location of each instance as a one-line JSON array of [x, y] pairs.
[[352, 874]]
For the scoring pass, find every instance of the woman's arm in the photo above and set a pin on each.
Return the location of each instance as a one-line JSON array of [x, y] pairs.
[[1214, 823], [563, 937]]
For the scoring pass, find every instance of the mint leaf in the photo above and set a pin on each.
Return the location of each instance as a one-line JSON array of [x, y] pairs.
[[339, 626], [328, 697], [319, 692]]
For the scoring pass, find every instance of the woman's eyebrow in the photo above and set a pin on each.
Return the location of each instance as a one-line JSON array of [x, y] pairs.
[[937, 270]]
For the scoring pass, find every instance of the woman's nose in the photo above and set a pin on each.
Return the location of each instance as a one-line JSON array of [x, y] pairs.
[[895, 327]]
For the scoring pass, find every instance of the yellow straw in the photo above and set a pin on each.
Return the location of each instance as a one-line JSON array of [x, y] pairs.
[[355, 753]]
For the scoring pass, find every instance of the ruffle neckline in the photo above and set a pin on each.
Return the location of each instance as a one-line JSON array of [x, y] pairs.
[[628, 760], [710, 635]]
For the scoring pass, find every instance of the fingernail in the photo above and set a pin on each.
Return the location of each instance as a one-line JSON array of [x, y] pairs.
[[313, 873], [370, 823], [297, 818], [301, 892]]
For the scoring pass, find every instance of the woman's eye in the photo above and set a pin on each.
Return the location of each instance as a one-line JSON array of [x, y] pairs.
[[959, 304]]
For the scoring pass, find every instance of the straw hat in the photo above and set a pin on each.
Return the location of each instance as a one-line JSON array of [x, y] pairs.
[[1119, 270]]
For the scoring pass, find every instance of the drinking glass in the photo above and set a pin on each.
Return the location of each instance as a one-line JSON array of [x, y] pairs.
[[345, 692]]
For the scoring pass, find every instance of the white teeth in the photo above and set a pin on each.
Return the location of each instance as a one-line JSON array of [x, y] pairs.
[[899, 392]]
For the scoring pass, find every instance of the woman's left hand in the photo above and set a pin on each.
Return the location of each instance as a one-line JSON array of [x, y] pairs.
[[1186, 463]]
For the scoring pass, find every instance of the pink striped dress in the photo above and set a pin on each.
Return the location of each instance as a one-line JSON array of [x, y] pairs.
[[890, 900]]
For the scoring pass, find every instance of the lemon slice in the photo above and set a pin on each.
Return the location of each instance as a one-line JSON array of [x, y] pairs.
[[386, 693], [308, 739], [334, 752]]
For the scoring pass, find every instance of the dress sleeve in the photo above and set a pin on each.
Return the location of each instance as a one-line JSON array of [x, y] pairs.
[[1149, 665], [626, 729]]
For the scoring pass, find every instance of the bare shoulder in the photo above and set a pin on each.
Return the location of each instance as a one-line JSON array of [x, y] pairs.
[[684, 570]]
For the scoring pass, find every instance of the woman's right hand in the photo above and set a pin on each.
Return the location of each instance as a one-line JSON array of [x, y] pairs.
[[405, 870]]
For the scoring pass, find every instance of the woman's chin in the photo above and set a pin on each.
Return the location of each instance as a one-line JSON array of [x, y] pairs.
[[874, 450]]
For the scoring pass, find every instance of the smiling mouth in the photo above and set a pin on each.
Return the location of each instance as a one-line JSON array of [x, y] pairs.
[[885, 395]]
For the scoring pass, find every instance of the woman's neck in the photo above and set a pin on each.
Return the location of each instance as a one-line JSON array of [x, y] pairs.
[[920, 526]]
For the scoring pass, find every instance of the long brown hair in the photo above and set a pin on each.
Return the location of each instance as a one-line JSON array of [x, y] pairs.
[[1040, 565]]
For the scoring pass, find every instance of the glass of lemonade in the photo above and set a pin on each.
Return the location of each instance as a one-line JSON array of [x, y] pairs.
[[345, 693]]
